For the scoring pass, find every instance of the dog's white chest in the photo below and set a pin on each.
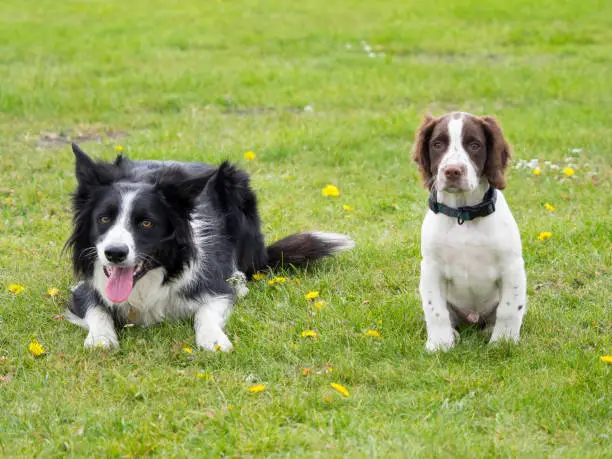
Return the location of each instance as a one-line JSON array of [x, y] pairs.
[[469, 263]]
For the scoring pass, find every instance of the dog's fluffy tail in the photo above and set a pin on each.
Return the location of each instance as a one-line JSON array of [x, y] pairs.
[[302, 248]]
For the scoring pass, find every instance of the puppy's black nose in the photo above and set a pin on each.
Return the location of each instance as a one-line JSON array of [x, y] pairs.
[[116, 253]]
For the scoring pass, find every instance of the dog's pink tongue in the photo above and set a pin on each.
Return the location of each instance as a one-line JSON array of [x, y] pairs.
[[119, 284]]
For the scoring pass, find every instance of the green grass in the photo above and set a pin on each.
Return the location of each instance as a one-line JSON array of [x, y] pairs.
[[207, 81]]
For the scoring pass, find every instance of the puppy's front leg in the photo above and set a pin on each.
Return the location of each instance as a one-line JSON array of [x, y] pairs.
[[101, 329], [440, 333], [209, 321], [512, 304]]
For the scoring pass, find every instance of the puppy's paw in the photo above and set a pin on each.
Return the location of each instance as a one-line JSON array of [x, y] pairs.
[[101, 342], [440, 340], [213, 341]]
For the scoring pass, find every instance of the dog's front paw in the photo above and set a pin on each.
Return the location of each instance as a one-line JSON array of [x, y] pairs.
[[101, 341], [440, 340], [213, 341]]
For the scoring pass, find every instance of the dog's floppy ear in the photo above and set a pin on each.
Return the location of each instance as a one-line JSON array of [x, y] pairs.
[[498, 153], [181, 191], [420, 150], [91, 173]]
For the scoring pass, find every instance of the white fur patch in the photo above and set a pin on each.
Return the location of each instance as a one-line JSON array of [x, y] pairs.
[[341, 241], [209, 322], [456, 155], [101, 329], [120, 233]]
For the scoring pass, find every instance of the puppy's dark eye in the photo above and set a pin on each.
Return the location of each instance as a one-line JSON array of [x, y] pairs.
[[475, 146], [437, 145], [104, 219], [146, 224]]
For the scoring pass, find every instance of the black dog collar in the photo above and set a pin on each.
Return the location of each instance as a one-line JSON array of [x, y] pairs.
[[466, 213]]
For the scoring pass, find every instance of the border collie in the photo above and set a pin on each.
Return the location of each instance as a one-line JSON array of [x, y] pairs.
[[163, 240]]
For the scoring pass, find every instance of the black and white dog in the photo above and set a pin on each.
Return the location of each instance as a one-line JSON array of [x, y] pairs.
[[158, 240]]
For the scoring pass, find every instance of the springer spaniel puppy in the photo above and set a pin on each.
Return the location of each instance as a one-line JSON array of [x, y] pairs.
[[472, 270]]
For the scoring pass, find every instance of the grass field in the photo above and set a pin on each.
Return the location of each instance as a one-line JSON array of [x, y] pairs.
[[324, 92]]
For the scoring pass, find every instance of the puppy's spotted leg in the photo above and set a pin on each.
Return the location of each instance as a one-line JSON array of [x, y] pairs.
[[209, 321], [101, 328], [512, 305], [440, 332]]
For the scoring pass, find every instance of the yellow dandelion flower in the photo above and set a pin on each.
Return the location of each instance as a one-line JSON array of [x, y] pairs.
[[331, 190], [118, 148], [277, 280], [372, 333], [187, 350], [52, 292], [203, 375], [217, 348], [15, 289], [340, 389], [35, 348], [311, 295], [545, 236], [320, 304], [347, 207], [258, 276], [257, 388], [309, 334], [549, 207], [537, 171], [249, 156], [606, 358], [297, 281], [306, 371], [568, 171]]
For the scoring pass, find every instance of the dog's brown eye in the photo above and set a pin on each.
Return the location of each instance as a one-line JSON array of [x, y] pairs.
[[104, 219], [437, 145], [146, 224], [474, 146]]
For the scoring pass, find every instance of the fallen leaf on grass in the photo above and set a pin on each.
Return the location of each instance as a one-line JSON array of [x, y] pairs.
[[340, 389]]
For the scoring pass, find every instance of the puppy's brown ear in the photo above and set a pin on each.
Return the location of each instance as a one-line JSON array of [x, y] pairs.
[[420, 149], [498, 153]]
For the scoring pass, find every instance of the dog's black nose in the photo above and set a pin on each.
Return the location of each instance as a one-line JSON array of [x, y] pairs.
[[116, 253]]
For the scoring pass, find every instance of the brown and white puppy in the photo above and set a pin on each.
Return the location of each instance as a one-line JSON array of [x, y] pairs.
[[472, 269]]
